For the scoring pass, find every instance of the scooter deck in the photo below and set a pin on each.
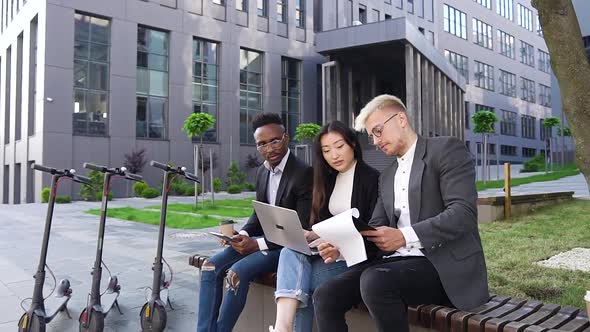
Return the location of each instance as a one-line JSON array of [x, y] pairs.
[[108, 300]]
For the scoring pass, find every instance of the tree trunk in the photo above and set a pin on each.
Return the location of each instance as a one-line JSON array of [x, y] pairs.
[[570, 65]]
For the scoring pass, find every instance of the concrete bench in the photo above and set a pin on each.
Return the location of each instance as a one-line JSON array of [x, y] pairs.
[[499, 314], [492, 208]]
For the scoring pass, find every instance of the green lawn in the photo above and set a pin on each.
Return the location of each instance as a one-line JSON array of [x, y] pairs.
[[511, 247], [239, 208], [530, 179], [173, 220]]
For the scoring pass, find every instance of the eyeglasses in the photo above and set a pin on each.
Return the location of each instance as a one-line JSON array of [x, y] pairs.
[[377, 131], [274, 144]]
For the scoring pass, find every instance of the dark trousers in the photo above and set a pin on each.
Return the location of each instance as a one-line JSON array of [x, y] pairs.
[[386, 286]]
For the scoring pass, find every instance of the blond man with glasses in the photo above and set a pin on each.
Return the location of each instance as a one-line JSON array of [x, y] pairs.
[[426, 229]]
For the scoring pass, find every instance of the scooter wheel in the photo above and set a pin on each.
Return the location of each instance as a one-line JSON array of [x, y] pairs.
[[158, 321], [96, 323], [35, 324]]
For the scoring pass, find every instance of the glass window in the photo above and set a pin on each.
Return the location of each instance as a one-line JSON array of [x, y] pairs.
[[262, 8], [242, 5], [527, 89], [525, 17], [205, 84], [484, 76], [363, 14], [251, 85], [91, 75], [544, 95], [527, 54], [507, 83], [152, 83], [508, 123], [300, 13], [291, 94], [485, 3], [506, 44], [282, 11], [544, 62], [482, 34], [460, 62], [454, 21], [528, 123], [505, 8]]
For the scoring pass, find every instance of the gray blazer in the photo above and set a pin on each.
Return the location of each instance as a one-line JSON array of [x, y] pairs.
[[443, 213]]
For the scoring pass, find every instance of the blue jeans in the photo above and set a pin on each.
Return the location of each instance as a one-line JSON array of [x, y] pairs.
[[214, 316], [298, 276]]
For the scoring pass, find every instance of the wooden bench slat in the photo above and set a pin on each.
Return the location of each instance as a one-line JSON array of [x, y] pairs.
[[497, 324], [459, 319], [544, 313], [476, 323], [578, 324], [560, 318], [427, 314]]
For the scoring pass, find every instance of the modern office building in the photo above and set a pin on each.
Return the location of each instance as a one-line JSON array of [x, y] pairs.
[[87, 80]]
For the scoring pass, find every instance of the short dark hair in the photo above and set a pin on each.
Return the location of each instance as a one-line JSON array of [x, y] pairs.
[[266, 118]]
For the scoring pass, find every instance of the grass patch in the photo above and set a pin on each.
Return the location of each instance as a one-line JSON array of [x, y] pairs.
[[556, 175], [511, 247], [238, 208], [173, 220]]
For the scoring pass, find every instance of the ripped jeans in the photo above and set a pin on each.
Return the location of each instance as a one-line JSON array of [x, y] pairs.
[[298, 276], [215, 316]]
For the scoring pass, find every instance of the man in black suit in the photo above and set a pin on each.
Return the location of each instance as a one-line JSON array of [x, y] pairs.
[[282, 180], [426, 221]]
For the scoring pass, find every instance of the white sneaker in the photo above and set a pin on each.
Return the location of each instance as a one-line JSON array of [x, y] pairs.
[[272, 329]]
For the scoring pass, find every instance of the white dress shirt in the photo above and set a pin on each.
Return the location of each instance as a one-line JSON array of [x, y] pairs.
[[274, 180], [401, 187]]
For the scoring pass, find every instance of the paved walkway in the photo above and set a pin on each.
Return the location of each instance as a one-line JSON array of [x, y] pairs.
[[129, 251]]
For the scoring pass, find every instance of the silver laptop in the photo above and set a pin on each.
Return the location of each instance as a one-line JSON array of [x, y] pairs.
[[282, 226]]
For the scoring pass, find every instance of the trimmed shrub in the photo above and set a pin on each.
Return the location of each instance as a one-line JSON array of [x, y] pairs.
[[150, 193], [99, 196], [45, 195], [234, 189], [139, 187], [535, 164], [93, 192], [217, 184], [63, 199], [249, 186]]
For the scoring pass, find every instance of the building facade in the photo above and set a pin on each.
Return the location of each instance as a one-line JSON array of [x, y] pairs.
[[86, 80]]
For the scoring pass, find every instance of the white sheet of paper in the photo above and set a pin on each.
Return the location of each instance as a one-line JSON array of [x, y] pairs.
[[341, 233]]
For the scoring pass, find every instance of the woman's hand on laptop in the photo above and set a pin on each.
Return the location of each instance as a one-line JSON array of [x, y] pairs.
[[328, 252], [245, 245], [310, 236]]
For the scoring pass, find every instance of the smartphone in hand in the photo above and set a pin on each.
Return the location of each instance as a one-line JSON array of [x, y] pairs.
[[223, 237]]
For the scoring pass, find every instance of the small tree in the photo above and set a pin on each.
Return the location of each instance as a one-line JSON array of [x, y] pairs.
[[307, 131], [196, 125], [484, 124], [234, 175], [550, 122]]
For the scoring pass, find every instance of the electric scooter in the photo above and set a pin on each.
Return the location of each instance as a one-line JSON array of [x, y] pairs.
[[98, 305], [35, 319], [153, 315]]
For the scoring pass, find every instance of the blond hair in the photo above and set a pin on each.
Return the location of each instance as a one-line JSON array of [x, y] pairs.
[[378, 103]]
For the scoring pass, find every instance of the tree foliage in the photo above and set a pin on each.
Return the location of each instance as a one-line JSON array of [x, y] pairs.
[[307, 131], [483, 121]]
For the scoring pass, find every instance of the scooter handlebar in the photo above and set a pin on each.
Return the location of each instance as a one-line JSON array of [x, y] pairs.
[[82, 179], [94, 167], [192, 177], [44, 168], [133, 177], [161, 166]]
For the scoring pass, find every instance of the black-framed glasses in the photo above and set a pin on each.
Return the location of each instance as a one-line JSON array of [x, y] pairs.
[[274, 144], [377, 131]]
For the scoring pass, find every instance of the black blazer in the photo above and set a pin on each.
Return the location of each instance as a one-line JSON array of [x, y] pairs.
[[295, 191], [364, 197]]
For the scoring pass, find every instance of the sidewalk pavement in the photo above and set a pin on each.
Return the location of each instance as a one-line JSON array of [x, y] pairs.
[[575, 183], [129, 251]]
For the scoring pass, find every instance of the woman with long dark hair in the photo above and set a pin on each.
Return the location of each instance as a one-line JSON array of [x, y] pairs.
[[342, 180]]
